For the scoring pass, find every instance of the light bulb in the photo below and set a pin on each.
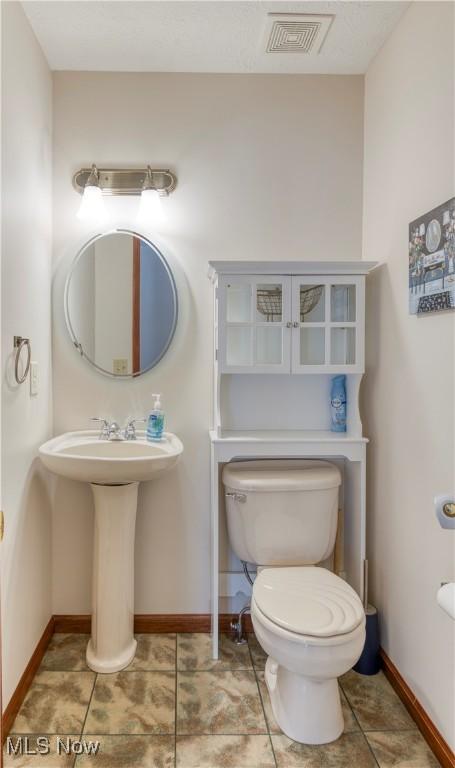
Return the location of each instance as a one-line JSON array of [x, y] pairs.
[[150, 210], [92, 204]]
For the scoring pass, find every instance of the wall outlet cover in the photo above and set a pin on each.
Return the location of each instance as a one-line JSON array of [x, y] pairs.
[[120, 365]]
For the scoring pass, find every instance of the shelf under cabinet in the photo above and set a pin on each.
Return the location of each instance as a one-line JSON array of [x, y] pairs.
[[284, 436]]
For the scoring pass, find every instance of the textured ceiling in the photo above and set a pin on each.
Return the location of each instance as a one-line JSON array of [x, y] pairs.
[[203, 35]]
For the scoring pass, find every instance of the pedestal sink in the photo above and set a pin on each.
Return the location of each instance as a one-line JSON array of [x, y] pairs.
[[114, 469]]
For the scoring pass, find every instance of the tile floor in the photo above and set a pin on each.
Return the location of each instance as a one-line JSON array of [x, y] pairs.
[[175, 707]]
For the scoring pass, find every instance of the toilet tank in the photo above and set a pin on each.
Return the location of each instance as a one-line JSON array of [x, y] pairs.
[[282, 512]]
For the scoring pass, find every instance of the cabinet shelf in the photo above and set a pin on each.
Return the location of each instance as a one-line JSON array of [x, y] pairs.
[[284, 436]]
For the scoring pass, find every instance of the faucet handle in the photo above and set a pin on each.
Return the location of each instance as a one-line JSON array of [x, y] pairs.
[[130, 429], [104, 434]]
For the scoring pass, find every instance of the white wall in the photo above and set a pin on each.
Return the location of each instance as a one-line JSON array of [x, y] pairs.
[[409, 388], [26, 307], [269, 167]]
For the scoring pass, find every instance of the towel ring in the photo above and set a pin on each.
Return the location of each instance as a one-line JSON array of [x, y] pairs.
[[19, 344]]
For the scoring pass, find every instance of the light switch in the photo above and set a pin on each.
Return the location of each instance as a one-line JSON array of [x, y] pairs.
[[34, 378], [120, 365]]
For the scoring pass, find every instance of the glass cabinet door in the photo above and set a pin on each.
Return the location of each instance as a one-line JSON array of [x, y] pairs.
[[255, 324], [343, 324], [309, 309], [325, 324], [239, 333]]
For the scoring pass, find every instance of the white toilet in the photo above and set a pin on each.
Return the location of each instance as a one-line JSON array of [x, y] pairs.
[[310, 622]]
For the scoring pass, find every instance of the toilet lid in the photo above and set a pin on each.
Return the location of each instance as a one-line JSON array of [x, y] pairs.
[[308, 601], [278, 475]]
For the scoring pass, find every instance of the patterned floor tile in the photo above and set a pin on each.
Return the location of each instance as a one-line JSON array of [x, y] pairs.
[[154, 652], [194, 651], [349, 751], [219, 701], [55, 703], [401, 749], [224, 752], [132, 702], [130, 752], [220, 715], [57, 757], [350, 723], [258, 654], [375, 703], [66, 653]]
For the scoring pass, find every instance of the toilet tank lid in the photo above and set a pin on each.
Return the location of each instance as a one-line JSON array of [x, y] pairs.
[[281, 475], [308, 601]]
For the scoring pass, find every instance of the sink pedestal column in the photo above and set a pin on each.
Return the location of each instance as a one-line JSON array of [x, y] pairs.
[[112, 645]]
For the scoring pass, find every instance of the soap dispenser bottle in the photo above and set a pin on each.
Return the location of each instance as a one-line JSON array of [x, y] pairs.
[[155, 423]]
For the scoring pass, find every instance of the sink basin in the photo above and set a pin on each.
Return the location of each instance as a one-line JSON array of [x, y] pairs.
[[114, 469], [83, 456]]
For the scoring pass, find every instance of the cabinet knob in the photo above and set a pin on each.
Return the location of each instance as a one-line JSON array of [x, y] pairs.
[[289, 324], [295, 324]]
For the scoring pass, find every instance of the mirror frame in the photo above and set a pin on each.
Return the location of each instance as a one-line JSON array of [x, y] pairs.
[[74, 339]]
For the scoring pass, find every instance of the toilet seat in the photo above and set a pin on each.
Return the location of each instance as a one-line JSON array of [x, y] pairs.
[[308, 601]]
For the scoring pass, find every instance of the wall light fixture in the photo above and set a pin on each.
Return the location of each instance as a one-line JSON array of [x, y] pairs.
[[150, 183]]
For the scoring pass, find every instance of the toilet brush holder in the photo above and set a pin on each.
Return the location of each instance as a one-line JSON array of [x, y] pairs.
[[370, 661]]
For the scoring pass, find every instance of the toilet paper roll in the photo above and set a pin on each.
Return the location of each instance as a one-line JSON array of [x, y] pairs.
[[446, 599]]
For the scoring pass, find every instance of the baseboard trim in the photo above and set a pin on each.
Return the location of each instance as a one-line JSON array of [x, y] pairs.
[[74, 623], [147, 623], [226, 618], [432, 736], [171, 622], [24, 683]]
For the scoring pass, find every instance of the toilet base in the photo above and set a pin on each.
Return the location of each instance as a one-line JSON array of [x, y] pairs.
[[307, 710]]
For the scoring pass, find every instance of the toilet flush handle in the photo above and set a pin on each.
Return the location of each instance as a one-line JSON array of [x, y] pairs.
[[240, 497]]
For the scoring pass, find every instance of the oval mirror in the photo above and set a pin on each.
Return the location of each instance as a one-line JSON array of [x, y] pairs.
[[121, 303]]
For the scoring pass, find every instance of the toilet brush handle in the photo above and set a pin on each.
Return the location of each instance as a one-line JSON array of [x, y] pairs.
[[365, 585]]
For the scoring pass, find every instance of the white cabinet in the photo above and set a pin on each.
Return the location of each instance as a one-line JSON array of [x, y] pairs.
[[290, 323], [254, 319]]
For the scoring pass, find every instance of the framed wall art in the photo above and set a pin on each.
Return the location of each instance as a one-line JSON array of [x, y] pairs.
[[432, 260]]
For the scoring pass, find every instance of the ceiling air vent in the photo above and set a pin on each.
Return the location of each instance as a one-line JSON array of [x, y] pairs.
[[297, 32]]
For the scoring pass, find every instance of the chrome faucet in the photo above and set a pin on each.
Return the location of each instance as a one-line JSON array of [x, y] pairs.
[[115, 432], [111, 430], [129, 433]]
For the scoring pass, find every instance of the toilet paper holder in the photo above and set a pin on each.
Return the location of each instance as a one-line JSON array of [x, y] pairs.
[[445, 510]]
